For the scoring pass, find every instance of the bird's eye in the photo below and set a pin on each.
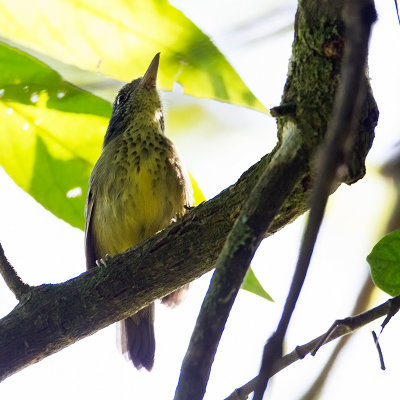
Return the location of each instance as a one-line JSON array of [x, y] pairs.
[[121, 98]]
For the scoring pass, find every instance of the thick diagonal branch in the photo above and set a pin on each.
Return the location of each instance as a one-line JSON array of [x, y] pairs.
[[359, 16], [55, 316], [285, 170]]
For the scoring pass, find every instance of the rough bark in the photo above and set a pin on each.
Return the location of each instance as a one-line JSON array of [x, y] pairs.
[[51, 317]]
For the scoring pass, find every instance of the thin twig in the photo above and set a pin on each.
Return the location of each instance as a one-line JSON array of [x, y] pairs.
[[392, 170], [394, 308], [360, 306], [378, 347], [233, 262], [13, 281], [339, 323], [352, 325], [359, 17]]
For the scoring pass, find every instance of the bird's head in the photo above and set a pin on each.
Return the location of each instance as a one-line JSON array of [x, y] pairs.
[[137, 103]]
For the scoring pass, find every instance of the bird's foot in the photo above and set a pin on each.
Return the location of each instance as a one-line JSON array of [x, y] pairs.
[[102, 262]]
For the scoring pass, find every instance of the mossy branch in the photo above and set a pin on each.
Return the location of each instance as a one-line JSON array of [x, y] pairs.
[[51, 317]]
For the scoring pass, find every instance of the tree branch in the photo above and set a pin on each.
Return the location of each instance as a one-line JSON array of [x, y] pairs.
[[284, 171], [235, 257], [360, 305], [359, 16], [55, 316], [344, 327], [13, 281]]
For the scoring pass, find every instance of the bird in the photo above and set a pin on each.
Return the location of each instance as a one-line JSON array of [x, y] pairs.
[[137, 187]]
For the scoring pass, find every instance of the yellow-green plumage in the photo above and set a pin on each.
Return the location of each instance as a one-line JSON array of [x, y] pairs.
[[136, 188], [136, 195]]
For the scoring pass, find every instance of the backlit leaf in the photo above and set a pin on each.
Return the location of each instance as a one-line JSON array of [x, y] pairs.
[[50, 135], [252, 284], [119, 38]]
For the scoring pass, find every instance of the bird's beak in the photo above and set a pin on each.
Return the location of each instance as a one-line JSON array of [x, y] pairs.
[[150, 77]]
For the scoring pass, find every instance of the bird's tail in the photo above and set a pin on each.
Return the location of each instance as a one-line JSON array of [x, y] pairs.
[[137, 338], [174, 298]]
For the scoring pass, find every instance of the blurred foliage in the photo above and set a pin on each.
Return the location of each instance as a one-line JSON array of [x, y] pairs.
[[197, 193], [384, 261], [118, 39], [51, 133], [52, 130]]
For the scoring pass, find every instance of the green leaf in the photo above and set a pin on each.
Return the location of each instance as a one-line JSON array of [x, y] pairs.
[[118, 39], [198, 195], [252, 284], [50, 135], [384, 261]]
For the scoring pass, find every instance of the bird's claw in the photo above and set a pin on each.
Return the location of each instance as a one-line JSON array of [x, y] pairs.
[[102, 262]]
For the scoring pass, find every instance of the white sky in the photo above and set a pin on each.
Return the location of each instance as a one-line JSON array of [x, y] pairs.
[[45, 249]]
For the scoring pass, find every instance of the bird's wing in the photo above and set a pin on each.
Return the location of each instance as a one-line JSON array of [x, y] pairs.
[[90, 249]]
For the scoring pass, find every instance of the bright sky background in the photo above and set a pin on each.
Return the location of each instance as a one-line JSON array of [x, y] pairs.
[[47, 250]]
